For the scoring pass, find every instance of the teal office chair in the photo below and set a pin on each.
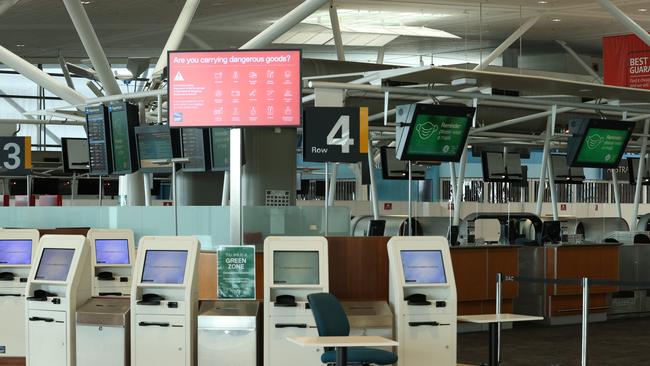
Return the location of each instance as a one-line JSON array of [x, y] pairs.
[[332, 321]]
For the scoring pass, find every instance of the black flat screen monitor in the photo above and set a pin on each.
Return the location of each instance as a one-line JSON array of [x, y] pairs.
[[423, 267], [498, 169], [551, 232], [296, 267], [15, 252], [195, 147], [633, 169], [393, 169], [597, 143], [75, 155], [99, 138], [123, 119], [54, 265], [164, 267], [563, 174], [155, 144]]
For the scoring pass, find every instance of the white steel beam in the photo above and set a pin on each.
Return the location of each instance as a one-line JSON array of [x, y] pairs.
[[580, 61], [287, 22], [92, 46], [507, 43], [336, 30], [630, 24], [177, 34], [40, 77]]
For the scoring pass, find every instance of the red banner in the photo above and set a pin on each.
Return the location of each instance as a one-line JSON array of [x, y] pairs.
[[626, 61]]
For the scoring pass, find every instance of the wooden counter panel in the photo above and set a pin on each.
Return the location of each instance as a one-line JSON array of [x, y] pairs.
[[208, 276], [506, 262], [572, 304], [358, 268], [470, 271], [12, 361], [594, 262]]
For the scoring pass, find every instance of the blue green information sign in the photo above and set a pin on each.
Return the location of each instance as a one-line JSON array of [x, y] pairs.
[[236, 272]]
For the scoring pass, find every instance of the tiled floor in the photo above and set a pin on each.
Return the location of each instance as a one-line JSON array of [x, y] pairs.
[[617, 342]]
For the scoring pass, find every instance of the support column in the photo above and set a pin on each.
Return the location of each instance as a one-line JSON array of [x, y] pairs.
[[458, 192], [543, 169], [331, 197], [639, 175], [551, 187], [92, 46], [617, 193], [373, 187]]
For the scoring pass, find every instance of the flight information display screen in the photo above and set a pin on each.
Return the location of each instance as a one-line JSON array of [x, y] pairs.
[[220, 148], [111, 251], [164, 266], [423, 266], [55, 264], [154, 143], [296, 267], [235, 88], [193, 147], [98, 140], [75, 155], [122, 137], [15, 252]]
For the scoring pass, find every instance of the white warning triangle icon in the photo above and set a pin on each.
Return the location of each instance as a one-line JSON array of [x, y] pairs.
[[179, 77]]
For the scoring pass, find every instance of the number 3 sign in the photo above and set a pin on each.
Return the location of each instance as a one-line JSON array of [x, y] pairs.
[[337, 135], [15, 156]]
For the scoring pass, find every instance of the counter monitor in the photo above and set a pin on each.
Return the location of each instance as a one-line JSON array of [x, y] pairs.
[[394, 169], [15, 252], [633, 169], [597, 143], [156, 143], [498, 169], [164, 267], [123, 119], [75, 155], [296, 268], [423, 267], [563, 174], [54, 265], [432, 132], [111, 251]]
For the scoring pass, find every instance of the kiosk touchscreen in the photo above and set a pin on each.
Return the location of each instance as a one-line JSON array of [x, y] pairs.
[[164, 302], [58, 284], [294, 267], [113, 254], [422, 293], [17, 248]]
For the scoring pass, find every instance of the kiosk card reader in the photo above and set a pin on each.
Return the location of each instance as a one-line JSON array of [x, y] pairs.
[[164, 301], [17, 248], [422, 293], [112, 257], [58, 284], [294, 267]]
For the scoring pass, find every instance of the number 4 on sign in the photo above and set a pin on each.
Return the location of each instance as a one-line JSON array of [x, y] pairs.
[[343, 125]]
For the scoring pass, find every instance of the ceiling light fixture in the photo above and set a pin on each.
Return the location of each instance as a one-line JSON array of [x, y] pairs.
[[543, 2], [20, 45], [643, 10], [86, 2], [556, 20]]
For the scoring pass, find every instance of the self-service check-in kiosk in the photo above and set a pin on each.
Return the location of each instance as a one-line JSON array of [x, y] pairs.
[[228, 333], [58, 284], [113, 254], [422, 293], [294, 267], [164, 302], [17, 248]]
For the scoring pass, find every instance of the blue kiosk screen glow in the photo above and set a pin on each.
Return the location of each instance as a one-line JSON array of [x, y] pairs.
[[54, 265], [164, 266], [112, 251], [423, 266], [16, 252], [295, 268]]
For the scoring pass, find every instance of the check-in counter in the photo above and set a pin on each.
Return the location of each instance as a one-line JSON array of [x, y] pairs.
[[476, 268], [634, 266], [562, 304]]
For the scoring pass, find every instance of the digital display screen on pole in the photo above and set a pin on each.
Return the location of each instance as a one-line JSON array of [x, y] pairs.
[[235, 88], [598, 143], [123, 118], [431, 132], [99, 147], [423, 266], [16, 252]]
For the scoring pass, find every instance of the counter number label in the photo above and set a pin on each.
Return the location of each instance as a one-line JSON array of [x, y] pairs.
[[15, 156], [335, 134]]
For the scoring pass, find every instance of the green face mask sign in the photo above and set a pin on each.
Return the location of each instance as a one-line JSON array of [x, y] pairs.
[[437, 135], [602, 146], [236, 273]]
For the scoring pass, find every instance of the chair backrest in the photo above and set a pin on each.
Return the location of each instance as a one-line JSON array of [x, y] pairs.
[[329, 315]]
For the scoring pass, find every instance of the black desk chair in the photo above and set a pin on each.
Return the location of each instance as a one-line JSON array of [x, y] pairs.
[[332, 321]]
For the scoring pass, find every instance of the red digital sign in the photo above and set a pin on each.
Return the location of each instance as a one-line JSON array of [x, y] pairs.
[[626, 61], [235, 88]]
